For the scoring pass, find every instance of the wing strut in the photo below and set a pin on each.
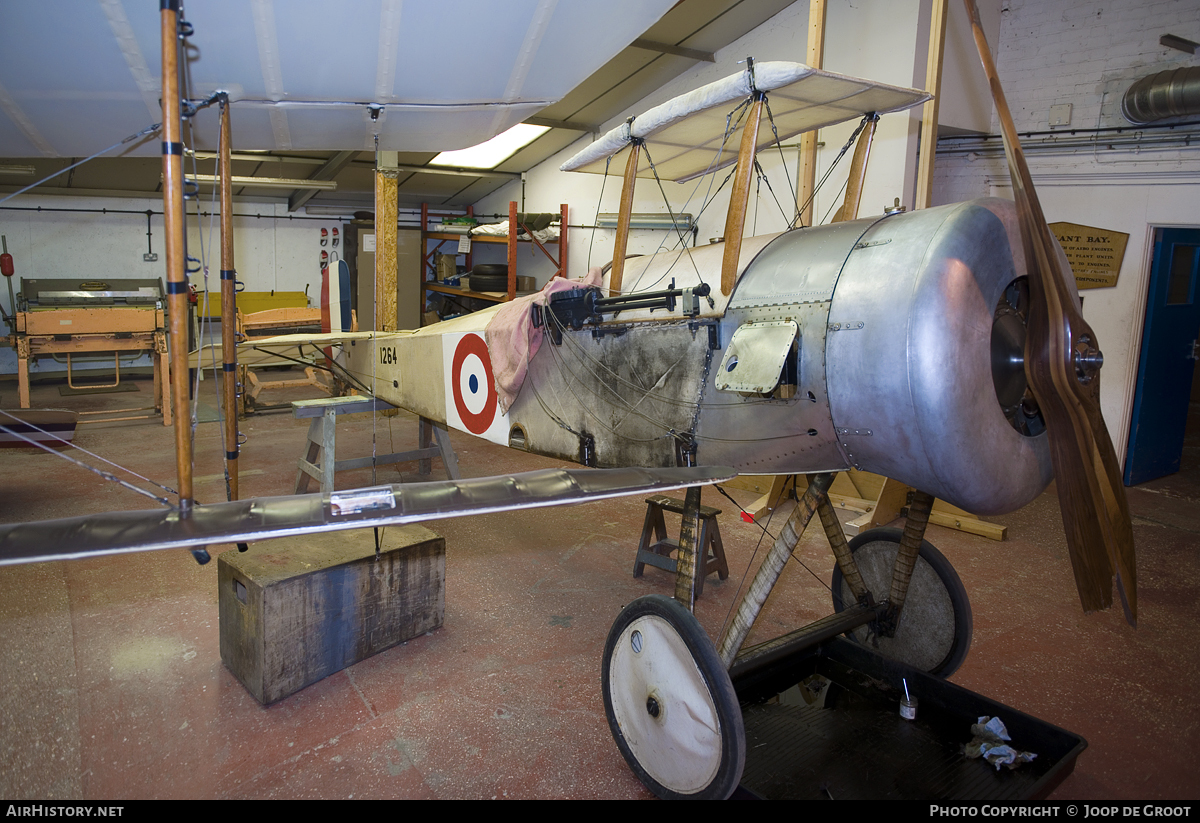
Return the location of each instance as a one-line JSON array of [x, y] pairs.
[[735, 218], [621, 243]]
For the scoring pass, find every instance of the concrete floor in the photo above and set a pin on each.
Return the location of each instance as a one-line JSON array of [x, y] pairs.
[[112, 686]]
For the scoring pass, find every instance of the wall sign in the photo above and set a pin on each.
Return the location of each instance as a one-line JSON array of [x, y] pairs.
[[1095, 254]]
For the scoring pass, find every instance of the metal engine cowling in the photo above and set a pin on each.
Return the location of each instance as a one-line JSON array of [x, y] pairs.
[[912, 390]]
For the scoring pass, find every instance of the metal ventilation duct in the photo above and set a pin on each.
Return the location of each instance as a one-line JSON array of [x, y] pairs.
[[1166, 94]]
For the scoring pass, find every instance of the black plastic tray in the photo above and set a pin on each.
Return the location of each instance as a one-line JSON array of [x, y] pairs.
[[853, 744]]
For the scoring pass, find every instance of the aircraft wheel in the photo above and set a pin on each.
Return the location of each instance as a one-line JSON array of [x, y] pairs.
[[670, 703], [934, 633]]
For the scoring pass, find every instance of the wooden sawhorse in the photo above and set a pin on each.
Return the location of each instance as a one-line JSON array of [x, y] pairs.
[[319, 461], [657, 554]]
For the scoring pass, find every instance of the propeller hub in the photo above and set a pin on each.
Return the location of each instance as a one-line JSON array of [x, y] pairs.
[[1088, 359], [1008, 357], [1008, 361]]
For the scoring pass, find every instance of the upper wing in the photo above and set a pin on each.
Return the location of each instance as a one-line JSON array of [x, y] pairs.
[[684, 134]]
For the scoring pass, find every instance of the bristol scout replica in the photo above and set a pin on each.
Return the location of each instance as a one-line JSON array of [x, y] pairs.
[[944, 348]]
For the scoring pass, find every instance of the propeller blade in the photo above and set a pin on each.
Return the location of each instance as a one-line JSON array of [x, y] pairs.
[[1062, 362]]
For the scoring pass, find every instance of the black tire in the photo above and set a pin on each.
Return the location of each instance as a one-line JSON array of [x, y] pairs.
[[670, 703], [934, 633], [489, 282], [491, 269]]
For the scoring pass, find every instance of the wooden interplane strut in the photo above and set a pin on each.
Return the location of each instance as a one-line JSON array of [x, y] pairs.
[[735, 219], [621, 242]]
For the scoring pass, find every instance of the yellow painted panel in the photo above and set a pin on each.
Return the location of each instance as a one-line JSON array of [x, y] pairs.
[[252, 301]]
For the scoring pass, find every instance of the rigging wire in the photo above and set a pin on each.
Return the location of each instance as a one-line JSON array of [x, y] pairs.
[[152, 129], [104, 474], [782, 160], [749, 518], [710, 195], [599, 202], [862, 124]]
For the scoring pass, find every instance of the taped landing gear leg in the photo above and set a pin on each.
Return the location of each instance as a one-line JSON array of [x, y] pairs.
[[670, 704], [934, 632]]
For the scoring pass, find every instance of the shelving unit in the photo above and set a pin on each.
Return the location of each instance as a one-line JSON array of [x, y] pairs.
[[511, 241]]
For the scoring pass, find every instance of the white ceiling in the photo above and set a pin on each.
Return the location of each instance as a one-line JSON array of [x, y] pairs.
[[79, 75]]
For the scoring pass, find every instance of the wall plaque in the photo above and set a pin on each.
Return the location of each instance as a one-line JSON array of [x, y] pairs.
[[1095, 254]]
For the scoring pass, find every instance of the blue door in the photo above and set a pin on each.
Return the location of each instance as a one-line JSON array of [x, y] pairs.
[[1168, 357]]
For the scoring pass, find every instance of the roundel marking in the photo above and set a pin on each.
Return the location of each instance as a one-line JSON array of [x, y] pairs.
[[473, 383]]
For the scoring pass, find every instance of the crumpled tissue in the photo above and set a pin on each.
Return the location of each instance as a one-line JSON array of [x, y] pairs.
[[990, 742]]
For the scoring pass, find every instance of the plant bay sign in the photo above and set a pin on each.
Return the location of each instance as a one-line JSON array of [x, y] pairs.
[[1095, 254]]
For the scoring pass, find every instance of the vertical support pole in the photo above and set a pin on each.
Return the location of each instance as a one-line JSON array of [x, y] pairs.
[[772, 567], [228, 311], [689, 555], [929, 114], [23, 356], [624, 215], [735, 219], [562, 240], [808, 141], [512, 249], [386, 206], [177, 288], [424, 441], [858, 173], [328, 448]]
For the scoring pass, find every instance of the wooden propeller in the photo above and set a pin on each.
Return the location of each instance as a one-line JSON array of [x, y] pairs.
[[1062, 365]]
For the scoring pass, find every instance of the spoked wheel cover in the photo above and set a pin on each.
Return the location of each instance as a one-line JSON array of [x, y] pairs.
[[670, 704], [934, 633]]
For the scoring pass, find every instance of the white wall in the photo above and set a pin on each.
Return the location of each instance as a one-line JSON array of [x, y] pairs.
[[1087, 54], [271, 252], [873, 38]]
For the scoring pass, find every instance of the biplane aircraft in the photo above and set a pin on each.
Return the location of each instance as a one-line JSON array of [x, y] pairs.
[[944, 348]]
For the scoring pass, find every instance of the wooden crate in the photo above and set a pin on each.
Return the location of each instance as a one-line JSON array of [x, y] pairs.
[[295, 610]]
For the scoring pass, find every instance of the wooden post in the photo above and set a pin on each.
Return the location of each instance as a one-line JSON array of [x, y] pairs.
[[735, 219], [177, 287], [386, 205], [929, 114], [621, 243], [858, 173], [228, 310], [808, 141]]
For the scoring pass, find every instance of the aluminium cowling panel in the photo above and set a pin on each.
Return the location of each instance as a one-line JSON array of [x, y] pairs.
[[909, 365]]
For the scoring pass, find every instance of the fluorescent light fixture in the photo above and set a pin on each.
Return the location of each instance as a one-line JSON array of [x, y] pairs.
[[266, 182], [17, 171], [331, 211], [647, 220], [494, 152]]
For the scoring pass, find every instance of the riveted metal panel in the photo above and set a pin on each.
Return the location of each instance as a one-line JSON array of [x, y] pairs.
[[755, 356], [799, 266], [758, 435]]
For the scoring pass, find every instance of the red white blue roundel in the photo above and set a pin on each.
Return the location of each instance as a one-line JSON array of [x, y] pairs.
[[471, 403], [472, 383]]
